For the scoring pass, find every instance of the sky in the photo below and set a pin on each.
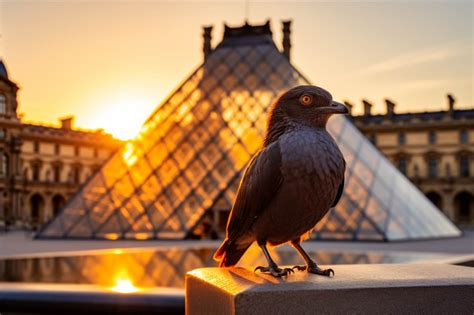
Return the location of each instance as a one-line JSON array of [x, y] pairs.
[[110, 63]]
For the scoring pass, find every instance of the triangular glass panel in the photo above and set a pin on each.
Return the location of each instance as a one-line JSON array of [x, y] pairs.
[[81, 230], [72, 213], [55, 229], [101, 212], [111, 226]]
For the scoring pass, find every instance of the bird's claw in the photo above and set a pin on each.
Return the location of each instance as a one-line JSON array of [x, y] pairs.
[[261, 269], [299, 268], [318, 271], [275, 271]]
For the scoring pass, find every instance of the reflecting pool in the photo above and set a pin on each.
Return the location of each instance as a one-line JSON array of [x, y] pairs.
[[126, 270]]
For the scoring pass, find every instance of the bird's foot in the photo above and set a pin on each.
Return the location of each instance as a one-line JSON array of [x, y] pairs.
[[299, 268], [318, 271], [275, 271]]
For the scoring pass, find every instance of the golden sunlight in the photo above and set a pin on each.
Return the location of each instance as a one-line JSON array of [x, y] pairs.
[[123, 116], [124, 286], [129, 155]]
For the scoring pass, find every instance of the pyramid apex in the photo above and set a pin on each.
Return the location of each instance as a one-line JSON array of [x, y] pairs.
[[247, 30]]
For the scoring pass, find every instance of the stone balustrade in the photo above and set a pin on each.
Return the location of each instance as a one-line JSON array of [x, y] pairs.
[[355, 289]]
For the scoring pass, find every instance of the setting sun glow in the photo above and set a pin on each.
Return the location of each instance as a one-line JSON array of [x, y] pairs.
[[123, 115], [124, 286]]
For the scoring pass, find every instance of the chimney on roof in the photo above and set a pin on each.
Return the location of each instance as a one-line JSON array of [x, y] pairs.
[[207, 36], [67, 122], [367, 108], [286, 38], [451, 101], [349, 107], [390, 107]]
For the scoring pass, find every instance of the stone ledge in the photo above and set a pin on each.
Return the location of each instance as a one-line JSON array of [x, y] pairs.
[[390, 289]]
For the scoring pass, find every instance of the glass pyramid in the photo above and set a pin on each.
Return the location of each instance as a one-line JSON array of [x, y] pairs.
[[191, 152]]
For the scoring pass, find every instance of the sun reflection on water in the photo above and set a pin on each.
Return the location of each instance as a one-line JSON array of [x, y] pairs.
[[124, 286], [131, 271]]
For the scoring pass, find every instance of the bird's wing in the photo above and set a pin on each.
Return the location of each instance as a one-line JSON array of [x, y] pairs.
[[260, 182], [339, 193]]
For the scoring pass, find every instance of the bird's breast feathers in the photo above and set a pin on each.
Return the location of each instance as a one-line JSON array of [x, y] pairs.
[[310, 152]]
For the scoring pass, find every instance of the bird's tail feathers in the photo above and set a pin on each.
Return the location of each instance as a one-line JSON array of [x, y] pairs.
[[230, 252], [221, 250]]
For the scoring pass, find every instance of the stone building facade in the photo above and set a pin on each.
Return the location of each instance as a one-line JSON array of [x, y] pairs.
[[435, 150], [41, 166]]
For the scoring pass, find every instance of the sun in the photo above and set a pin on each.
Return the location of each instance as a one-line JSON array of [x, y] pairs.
[[123, 116], [123, 125]]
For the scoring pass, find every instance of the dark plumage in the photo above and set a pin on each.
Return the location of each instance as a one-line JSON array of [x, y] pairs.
[[291, 183]]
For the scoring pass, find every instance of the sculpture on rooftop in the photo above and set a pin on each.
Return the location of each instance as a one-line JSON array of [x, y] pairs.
[[290, 184]]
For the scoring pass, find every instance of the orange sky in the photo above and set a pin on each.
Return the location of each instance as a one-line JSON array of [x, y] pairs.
[[111, 63]]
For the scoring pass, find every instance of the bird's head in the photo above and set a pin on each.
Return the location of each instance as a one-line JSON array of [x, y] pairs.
[[310, 104], [306, 104]]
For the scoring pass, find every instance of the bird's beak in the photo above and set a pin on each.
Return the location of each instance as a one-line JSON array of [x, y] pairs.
[[334, 108]]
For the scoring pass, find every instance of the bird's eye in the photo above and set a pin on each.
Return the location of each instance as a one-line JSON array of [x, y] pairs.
[[306, 99]]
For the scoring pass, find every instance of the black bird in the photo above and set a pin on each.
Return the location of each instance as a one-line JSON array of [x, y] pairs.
[[290, 184]]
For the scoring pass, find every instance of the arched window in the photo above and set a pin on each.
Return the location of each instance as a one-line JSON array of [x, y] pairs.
[[436, 199], [58, 203], [463, 205], [37, 204], [3, 104]]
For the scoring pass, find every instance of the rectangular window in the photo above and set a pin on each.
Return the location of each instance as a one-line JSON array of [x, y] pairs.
[[464, 166], [463, 137], [373, 138], [431, 137], [76, 150], [432, 168], [77, 175], [3, 164], [402, 165], [36, 172], [57, 173], [57, 149], [401, 138], [3, 104], [36, 147]]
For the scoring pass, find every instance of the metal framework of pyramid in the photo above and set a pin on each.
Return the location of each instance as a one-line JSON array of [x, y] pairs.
[[190, 154]]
